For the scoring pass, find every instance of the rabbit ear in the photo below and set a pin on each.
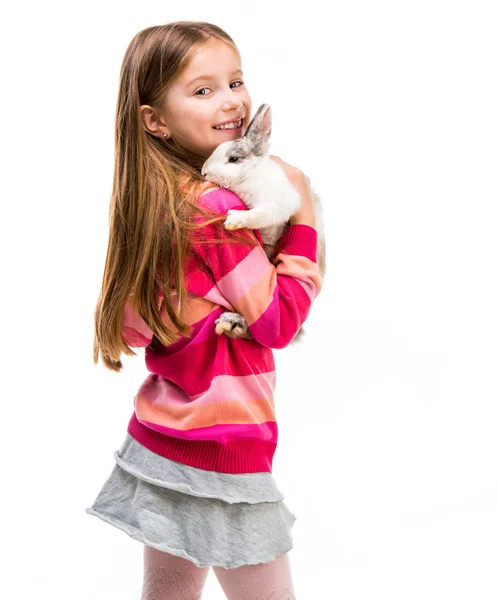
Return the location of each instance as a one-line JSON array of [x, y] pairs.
[[259, 130]]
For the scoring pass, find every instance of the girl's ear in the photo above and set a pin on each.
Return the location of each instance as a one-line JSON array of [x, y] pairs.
[[259, 130], [152, 122]]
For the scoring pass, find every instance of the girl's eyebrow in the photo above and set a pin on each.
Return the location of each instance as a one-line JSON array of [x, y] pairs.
[[211, 76]]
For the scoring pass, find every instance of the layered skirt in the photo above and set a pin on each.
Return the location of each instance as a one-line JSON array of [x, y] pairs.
[[209, 518]]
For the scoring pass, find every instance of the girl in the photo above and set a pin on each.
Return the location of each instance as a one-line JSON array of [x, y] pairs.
[[193, 477]]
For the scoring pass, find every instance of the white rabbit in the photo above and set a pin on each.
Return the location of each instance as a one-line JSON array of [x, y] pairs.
[[245, 167]]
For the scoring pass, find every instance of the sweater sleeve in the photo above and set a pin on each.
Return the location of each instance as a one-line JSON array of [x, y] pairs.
[[275, 296], [136, 333]]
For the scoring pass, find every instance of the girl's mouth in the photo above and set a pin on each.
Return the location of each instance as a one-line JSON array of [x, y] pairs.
[[236, 129]]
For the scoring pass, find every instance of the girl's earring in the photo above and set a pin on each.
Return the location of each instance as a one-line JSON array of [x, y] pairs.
[[166, 135]]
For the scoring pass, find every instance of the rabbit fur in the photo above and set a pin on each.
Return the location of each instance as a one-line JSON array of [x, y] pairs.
[[244, 166]]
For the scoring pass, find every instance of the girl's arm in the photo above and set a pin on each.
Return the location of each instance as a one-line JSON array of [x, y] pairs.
[[274, 297], [136, 332]]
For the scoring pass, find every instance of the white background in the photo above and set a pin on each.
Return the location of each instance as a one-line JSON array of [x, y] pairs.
[[388, 410]]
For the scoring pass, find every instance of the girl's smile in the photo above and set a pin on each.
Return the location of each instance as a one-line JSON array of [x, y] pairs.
[[232, 129]]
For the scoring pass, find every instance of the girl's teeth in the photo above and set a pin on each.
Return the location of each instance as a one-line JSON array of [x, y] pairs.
[[230, 126]]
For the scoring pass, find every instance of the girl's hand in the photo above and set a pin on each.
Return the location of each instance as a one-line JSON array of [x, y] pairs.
[[306, 214]]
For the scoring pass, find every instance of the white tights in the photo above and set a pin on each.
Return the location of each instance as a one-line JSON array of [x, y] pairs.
[[170, 577]]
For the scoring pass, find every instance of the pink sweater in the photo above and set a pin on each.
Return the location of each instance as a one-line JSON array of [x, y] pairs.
[[209, 399]]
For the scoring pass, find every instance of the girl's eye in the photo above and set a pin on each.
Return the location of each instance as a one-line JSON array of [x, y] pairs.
[[205, 88], [233, 159]]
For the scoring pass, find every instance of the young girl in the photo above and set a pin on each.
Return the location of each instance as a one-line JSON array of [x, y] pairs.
[[193, 477]]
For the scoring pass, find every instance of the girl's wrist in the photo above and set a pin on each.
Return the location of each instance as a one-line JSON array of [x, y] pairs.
[[303, 220]]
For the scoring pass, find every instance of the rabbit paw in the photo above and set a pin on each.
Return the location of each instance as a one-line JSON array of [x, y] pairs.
[[236, 219], [233, 325]]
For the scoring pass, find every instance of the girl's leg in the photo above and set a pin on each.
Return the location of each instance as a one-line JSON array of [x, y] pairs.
[[264, 581], [170, 577]]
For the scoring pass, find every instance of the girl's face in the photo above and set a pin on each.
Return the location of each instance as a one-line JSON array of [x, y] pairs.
[[209, 92]]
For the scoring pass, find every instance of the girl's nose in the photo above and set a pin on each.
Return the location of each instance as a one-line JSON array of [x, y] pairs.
[[237, 107]]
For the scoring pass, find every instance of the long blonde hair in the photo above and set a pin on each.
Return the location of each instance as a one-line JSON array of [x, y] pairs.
[[151, 212]]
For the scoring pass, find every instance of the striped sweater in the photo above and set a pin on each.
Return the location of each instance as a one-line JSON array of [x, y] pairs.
[[208, 401]]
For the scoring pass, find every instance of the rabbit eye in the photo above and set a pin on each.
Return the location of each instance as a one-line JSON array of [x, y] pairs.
[[233, 159]]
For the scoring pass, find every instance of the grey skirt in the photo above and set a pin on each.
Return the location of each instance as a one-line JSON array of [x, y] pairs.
[[209, 518]]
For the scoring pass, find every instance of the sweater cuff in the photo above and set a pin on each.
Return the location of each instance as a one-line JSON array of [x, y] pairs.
[[301, 240]]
